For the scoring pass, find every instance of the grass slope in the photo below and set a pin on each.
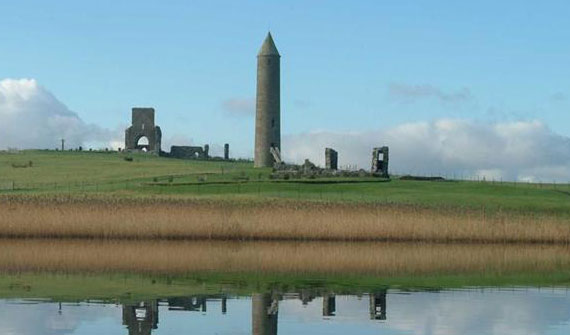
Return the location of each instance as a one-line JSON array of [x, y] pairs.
[[108, 173]]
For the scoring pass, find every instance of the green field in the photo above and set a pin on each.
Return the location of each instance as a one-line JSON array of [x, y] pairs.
[[104, 175], [110, 174]]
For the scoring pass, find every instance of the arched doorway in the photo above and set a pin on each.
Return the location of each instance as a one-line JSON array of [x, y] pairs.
[[142, 143]]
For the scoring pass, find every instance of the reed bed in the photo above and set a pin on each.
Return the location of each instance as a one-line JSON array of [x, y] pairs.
[[284, 220], [194, 257]]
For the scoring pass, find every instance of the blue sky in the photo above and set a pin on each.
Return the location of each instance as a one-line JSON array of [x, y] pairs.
[[347, 66]]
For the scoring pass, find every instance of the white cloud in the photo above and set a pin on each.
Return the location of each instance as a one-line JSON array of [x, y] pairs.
[[28, 318], [33, 118], [521, 150], [411, 93], [479, 311], [239, 106]]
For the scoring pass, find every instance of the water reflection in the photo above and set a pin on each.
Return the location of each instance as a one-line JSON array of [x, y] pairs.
[[141, 318], [264, 311], [474, 311], [378, 306], [329, 304]]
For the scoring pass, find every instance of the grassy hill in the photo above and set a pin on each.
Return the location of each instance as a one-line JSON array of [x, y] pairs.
[[110, 173]]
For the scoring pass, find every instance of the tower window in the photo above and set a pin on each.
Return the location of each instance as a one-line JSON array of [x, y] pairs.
[[272, 123]]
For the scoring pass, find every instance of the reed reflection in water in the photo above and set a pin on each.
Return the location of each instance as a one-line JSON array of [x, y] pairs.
[[179, 257]]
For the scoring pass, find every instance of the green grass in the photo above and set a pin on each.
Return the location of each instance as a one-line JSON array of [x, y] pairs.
[[108, 173]]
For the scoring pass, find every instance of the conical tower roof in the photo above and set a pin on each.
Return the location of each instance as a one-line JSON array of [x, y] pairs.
[[268, 48]]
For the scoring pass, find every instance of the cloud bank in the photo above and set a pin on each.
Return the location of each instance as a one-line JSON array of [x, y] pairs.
[[481, 311], [521, 150], [33, 118], [412, 93]]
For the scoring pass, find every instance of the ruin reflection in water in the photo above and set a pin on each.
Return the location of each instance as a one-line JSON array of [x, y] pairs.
[[474, 311], [142, 317]]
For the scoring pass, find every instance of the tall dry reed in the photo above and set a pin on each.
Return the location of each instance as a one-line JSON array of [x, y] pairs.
[[220, 220]]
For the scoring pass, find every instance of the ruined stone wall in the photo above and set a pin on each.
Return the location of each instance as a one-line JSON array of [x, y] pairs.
[[189, 152], [142, 125], [380, 158], [226, 151], [331, 159]]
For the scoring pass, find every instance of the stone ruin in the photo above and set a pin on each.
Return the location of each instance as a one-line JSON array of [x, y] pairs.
[[196, 152], [226, 151], [310, 170], [331, 159], [276, 156], [189, 152], [380, 161], [143, 134]]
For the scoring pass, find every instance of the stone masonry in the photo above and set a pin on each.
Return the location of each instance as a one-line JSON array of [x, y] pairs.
[[190, 152], [226, 151], [143, 126], [380, 161], [331, 159], [267, 107]]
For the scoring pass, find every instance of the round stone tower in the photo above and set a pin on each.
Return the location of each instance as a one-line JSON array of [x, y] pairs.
[[268, 105]]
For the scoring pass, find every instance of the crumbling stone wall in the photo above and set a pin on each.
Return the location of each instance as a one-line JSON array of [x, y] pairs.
[[143, 126], [380, 161], [189, 152], [331, 159], [226, 151]]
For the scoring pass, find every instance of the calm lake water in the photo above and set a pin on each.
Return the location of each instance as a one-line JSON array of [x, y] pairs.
[[466, 311]]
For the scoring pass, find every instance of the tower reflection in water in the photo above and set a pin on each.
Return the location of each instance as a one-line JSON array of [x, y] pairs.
[[142, 318], [378, 305], [264, 311]]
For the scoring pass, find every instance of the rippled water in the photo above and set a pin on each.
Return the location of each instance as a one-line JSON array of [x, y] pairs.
[[467, 311]]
